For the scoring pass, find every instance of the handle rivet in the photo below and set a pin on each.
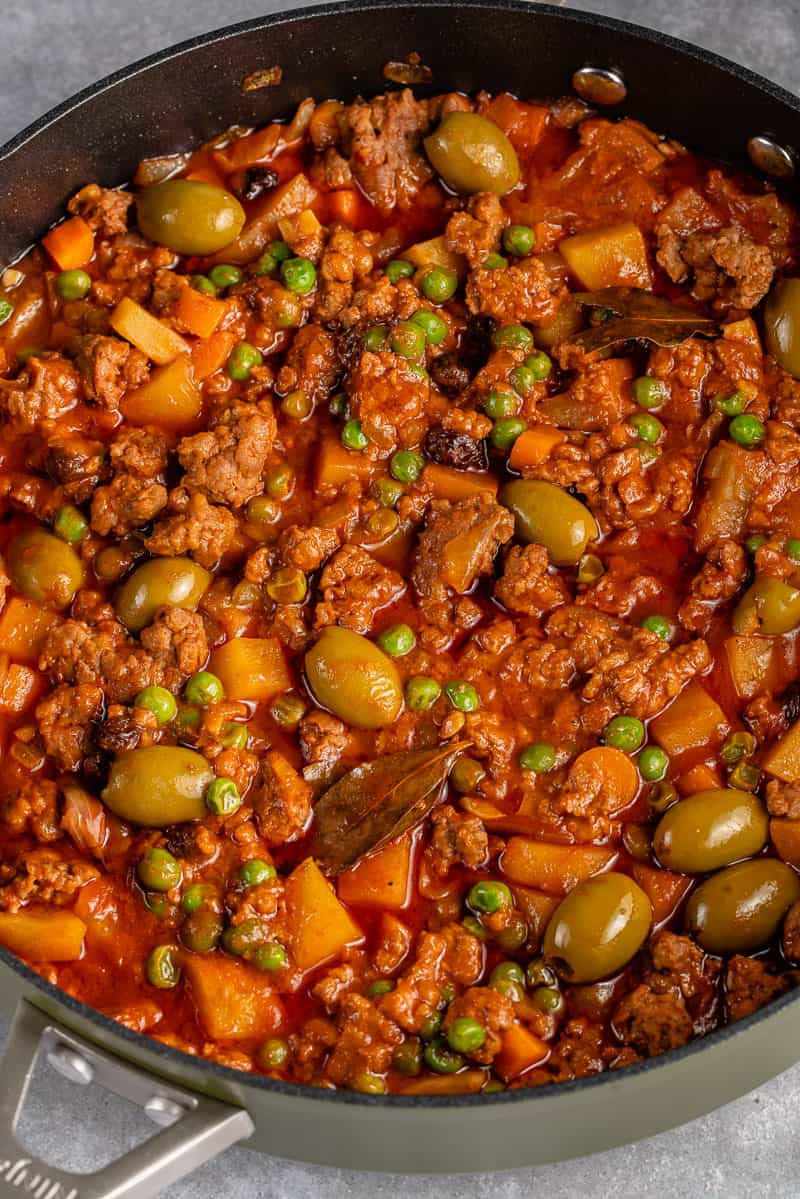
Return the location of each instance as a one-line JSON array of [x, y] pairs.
[[71, 1065], [163, 1111], [600, 85], [770, 157]]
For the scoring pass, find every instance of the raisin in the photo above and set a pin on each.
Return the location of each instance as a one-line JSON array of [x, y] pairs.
[[449, 375], [451, 448], [256, 180]]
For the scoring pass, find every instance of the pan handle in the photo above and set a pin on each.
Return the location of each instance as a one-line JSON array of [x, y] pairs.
[[194, 1128]]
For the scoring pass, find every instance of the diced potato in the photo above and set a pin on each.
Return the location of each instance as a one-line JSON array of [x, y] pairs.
[[320, 925], [21, 687], [337, 465], [733, 475], [663, 888], [612, 257], [251, 668], [752, 665], [783, 760], [537, 907], [435, 252], [466, 1082], [744, 331], [381, 880], [555, 869], [785, 836], [146, 332], [295, 229], [700, 778], [570, 409], [447, 483], [169, 398], [23, 628], [234, 1000], [43, 935], [285, 200], [692, 721], [521, 1050]]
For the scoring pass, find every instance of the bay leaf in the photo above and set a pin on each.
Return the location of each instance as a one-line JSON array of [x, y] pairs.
[[637, 315], [377, 802]]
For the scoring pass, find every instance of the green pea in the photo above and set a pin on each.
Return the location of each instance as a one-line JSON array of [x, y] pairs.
[[376, 338], [204, 688], [159, 701], [265, 264], [338, 406], [440, 1059], [519, 240], [513, 936], [353, 436], [367, 1083], [659, 625], [625, 733], [408, 340], [256, 871], [755, 542], [512, 337], [406, 466], [462, 695], [474, 927], [736, 747], [397, 640], [73, 285], [465, 1035], [539, 974], [489, 896], [653, 763], [407, 1058], [288, 710], [202, 930], [439, 284], [731, 405], [242, 940], [523, 380], [296, 405], [398, 269], [506, 431], [299, 275], [431, 324], [649, 428], [235, 736], [225, 275], [243, 359], [792, 549], [547, 999], [279, 250], [70, 524], [223, 797], [381, 986], [494, 262], [387, 491], [500, 404], [466, 775], [539, 757], [6, 308], [270, 957], [746, 430], [649, 393], [507, 972], [163, 968], [159, 871], [262, 510], [194, 897], [203, 284], [422, 692], [430, 1026], [273, 1054]]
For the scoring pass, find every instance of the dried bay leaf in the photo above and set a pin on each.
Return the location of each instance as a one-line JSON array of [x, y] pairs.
[[638, 315], [377, 802]]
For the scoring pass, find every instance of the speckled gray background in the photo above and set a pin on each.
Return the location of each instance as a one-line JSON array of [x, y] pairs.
[[747, 1150]]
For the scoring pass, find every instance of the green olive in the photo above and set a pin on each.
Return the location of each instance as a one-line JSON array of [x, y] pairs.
[[549, 515], [711, 829], [770, 606], [740, 909], [44, 568], [598, 928], [782, 324], [161, 582], [355, 679], [472, 154], [189, 216], [158, 785]]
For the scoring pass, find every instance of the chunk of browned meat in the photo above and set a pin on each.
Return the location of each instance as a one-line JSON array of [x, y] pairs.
[[74, 652], [718, 580], [783, 799], [104, 210], [312, 363], [47, 388], [34, 810], [323, 739], [226, 461], [749, 985], [177, 642], [77, 463], [493, 1011], [791, 933], [282, 800], [109, 367], [65, 719], [728, 267], [136, 493], [456, 838], [206, 531], [653, 1022], [458, 544], [475, 232], [366, 1043], [346, 262], [394, 942], [389, 397], [44, 876], [522, 292], [306, 546], [353, 589], [527, 585]]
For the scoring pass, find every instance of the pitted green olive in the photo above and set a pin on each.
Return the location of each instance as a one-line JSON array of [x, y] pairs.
[[782, 324], [44, 568], [711, 829], [770, 607], [598, 928], [472, 154], [158, 785], [354, 679], [740, 909], [549, 515], [189, 216], [170, 582]]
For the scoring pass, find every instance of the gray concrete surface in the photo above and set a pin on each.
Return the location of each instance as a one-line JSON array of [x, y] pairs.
[[747, 1150]]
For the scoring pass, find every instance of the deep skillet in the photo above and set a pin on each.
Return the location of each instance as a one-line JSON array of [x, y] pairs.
[[165, 104]]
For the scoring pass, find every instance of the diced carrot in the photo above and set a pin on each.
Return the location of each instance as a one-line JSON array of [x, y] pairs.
[[43, 935], [447, 483], [611, 257], [785, 836], [70, 244], [663, 888], [211, 354], [555, 869], [320, 926], [783, 759], [607, 773], [20, 688], [23, 628], [234, 1001], [523, 124], [169, 398], [521, 1050], [692, 721], [155, 339], [336, 464], [381, 880], [344, 205], [199, 313], [534, 446], [251, 668], [466, 1082], [701, 777]]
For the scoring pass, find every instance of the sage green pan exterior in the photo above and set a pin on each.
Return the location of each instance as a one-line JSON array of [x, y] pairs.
[[165, 104]]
